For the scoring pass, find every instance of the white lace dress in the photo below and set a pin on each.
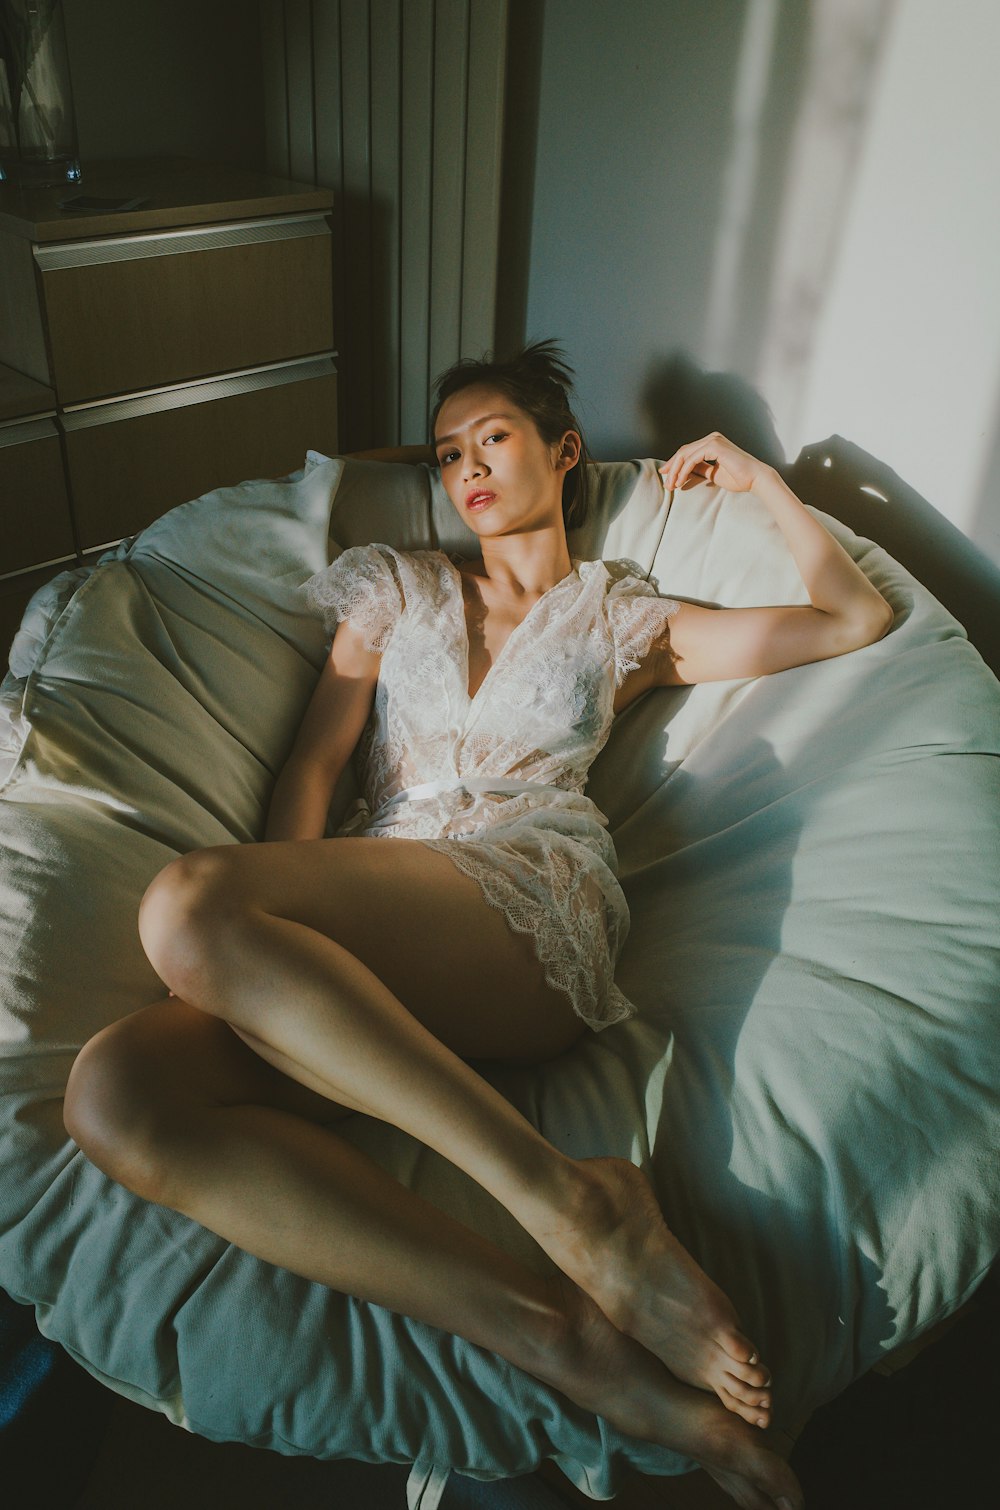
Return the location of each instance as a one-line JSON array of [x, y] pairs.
[[496, 781]]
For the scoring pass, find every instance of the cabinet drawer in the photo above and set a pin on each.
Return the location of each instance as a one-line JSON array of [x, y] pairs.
[[136, 312], [130, 462], [35, 523]]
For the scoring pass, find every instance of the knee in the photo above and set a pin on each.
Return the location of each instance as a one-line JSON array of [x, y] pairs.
[[110, 1114], [182, 914]]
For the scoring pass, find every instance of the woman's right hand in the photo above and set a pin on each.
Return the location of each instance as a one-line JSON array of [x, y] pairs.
[[715, 460]]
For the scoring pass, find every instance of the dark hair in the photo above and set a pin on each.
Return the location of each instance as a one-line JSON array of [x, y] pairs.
[[538, 380]]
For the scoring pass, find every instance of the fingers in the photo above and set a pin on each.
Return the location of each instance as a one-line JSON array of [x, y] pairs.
[[712, 459], [694, 463]]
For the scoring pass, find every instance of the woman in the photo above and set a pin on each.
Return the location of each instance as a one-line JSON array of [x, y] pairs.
[[312, 977]]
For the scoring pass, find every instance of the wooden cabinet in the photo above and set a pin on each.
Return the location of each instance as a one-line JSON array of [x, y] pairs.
[[34, 514], [137, 312], [153, 355], [36, 532]]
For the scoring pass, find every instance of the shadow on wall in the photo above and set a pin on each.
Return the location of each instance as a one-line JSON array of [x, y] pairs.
[[682, 402]]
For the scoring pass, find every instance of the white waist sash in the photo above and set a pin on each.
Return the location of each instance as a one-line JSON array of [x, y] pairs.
[[470, 785]]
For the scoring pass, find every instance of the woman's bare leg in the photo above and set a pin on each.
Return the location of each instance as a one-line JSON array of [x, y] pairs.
[[311, 949], [170, 1102]]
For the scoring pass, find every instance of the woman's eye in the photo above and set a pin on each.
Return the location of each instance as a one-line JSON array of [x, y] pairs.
[[446, 458], [497, 435]]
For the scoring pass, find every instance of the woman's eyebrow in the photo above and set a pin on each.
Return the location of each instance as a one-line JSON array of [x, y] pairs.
[[472, 425]]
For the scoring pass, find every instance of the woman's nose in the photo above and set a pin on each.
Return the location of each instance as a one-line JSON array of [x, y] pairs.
[[475, 467]]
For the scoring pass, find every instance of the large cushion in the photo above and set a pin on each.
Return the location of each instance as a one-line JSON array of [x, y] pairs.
[[812, 1082]]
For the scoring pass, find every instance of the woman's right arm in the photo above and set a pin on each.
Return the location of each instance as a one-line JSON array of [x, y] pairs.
[[332, 725]]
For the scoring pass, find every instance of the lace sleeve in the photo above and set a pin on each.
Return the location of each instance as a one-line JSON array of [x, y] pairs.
[[361, 585], [637, 616]]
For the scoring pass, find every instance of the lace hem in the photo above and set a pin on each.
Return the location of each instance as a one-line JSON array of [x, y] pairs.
[[583, 974]]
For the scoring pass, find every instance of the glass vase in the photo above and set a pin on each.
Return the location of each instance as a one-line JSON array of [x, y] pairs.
[[38, 143]]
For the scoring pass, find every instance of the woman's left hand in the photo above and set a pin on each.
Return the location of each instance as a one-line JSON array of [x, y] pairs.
[[716, 460]]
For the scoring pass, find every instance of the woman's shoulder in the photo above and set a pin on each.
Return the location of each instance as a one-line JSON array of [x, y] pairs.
[[620, 577], [634, 608], [636, 613], [376, 583], [388, 553], [399, 562], [423, 574]]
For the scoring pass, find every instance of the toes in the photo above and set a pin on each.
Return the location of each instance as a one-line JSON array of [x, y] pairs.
[[750, 1394], [750, 1410], [752, 1373], [740, 1349]]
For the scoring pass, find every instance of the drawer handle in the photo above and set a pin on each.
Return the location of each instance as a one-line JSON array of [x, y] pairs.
[[208, 238], [201, 391]]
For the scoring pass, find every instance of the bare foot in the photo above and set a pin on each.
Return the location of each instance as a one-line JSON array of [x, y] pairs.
[[620, 1251], [595, 1364]]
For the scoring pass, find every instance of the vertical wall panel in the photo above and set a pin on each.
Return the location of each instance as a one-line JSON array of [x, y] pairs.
[[272, 47], [355, 86], [327, 102], [386, 60], [484, 138], [299, 73], [329, 135], [418, 114], [396, 105], [451, 55]]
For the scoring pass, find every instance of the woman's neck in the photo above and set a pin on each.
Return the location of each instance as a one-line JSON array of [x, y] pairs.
[[526, 565]]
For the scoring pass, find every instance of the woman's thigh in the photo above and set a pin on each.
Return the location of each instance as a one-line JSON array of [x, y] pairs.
[[154, 1075], [423, 928]]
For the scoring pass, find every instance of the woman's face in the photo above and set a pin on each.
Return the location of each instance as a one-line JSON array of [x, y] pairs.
[[499, 473]]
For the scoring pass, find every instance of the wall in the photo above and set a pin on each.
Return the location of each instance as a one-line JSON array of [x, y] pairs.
[[788, 205], [174, 77], [398, 107]]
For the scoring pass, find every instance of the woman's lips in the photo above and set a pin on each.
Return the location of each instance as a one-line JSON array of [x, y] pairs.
[[479, 500]]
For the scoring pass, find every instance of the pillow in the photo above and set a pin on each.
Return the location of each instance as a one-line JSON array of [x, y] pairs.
[[376, 500]]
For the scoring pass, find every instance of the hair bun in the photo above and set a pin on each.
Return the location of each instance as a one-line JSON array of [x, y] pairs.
[[546, 359]]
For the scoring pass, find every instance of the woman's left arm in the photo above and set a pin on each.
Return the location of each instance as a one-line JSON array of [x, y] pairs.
[[845, 611]]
